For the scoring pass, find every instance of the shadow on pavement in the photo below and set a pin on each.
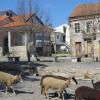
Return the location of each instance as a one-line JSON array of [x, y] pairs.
[[23, 92], [16, 67], [2, 89], [66, 96], [26, 78]]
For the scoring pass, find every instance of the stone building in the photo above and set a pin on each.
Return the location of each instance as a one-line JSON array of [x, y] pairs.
[[85, 31], [20, 36]]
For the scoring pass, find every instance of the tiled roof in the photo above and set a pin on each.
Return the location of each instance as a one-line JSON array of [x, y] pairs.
[[14, 24], [86, 9], [21, 21], [20, 18], [2, 17], [16, 21]]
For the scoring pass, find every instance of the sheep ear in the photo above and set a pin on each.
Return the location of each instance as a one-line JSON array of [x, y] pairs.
[[73, 76]]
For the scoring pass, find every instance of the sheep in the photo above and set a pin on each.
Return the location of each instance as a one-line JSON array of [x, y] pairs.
[[8, 79], [58, 83], [96, 85], [87, 93]]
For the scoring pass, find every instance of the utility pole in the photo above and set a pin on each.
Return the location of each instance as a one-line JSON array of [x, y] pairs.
[[55, 42], [42, 44]]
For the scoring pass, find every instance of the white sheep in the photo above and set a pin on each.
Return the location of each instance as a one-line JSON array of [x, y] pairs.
[[58, 83], [8, 80]]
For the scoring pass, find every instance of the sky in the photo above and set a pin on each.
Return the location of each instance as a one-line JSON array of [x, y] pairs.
[[58, 10]]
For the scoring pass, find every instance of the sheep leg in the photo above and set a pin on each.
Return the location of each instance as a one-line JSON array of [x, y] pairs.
[[46, 93], [59, 94], [62, 94], [66, 93], [6, 89], [12, 89]]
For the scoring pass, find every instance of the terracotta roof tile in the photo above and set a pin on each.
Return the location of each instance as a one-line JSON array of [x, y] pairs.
[[2, 17], [20, 18], [15, 24], [15, 21], [18, 21], [86, 9]]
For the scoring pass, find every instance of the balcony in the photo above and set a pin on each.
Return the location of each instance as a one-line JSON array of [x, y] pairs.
[[89, 37]]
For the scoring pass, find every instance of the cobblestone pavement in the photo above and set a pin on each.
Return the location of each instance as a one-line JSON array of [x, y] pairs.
[[30, 88]]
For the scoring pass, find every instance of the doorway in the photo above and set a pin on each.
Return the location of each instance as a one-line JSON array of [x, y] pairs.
[[78, 47], [89, 48], [5, 46]]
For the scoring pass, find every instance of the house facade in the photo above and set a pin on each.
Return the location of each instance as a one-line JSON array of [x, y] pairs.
[[85, 31], [19, 36], [60, 38]]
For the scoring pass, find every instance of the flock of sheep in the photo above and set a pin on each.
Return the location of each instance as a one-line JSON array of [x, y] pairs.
[[58, 83]]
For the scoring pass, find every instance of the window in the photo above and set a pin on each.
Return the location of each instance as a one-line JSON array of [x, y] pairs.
[[77, 27], [88, 26], [17, 40], [99, 26]]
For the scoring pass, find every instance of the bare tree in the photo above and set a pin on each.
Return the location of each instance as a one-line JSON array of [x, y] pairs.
[[32, 8]]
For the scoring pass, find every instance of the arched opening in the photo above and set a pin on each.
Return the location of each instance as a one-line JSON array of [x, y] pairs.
[[5, 46]]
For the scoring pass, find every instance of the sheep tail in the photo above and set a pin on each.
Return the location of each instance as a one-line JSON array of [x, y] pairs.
[[41, 80], [42, 88], [74, 80], [41, 84]]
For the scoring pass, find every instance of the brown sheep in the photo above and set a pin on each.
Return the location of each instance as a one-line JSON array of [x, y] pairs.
[[58, 83], [86, 93], [8, 79]]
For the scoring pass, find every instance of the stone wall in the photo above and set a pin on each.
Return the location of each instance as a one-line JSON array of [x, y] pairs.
[[19, 51]]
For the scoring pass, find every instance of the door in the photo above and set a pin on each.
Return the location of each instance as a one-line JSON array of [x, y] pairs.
[[78, 47], [89, 49]]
